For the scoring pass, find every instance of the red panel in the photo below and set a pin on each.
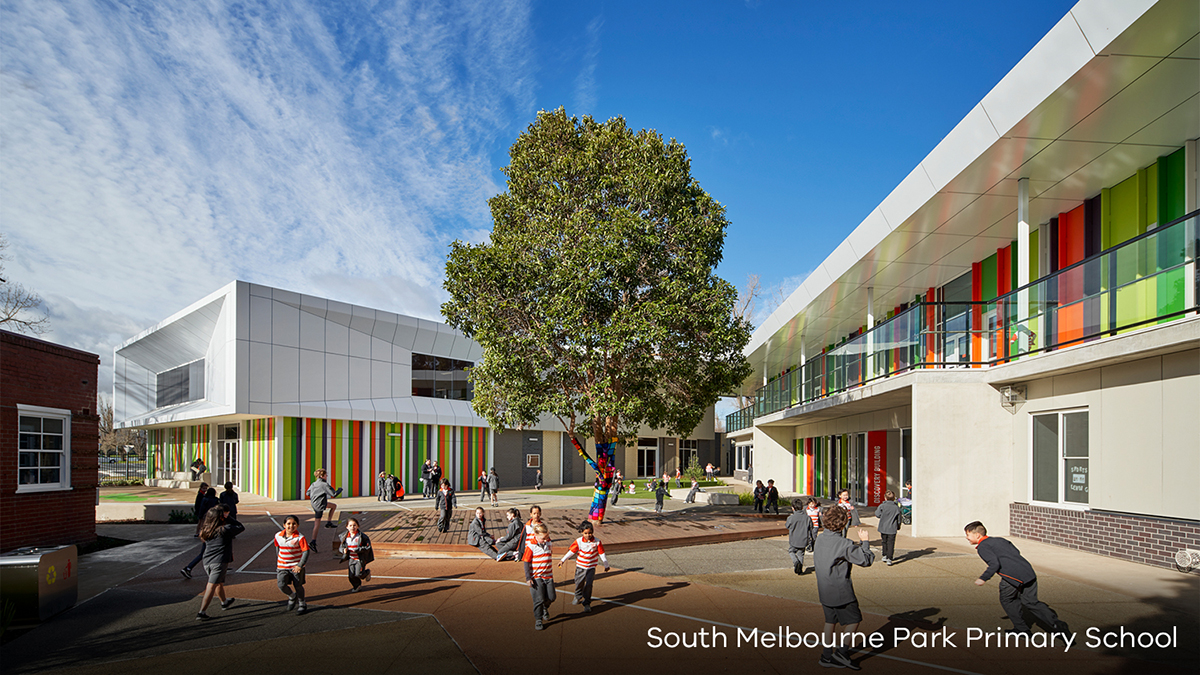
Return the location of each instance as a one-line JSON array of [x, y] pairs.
[[976, 312], [877, 461], [808, 463], [1071, 238]]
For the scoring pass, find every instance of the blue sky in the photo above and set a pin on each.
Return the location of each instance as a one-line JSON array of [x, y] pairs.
[[152, 152]]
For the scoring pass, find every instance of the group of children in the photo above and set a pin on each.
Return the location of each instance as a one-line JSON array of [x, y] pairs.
[[810, 529]]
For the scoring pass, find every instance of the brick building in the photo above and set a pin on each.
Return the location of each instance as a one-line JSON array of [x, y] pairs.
[[49, 435]]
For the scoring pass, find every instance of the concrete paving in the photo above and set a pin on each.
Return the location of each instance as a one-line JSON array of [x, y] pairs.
[[475, 615]]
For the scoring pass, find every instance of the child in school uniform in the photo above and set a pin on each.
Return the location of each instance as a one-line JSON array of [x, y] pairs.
[[1018, 581], [760, 493], [678, 475], [319, 493], [772, 496], [617, 486], [590, 550], [660, 493], [691, 496], [477, 535], [494, 487], [511, 545], [535, 519], [813, 511], [800, 535], [217, 533], [230, 498], [833, 556], [539, 574], [848, 506], [888, 514], [289, 563], [357, 552], [484, 493], [445, 503]]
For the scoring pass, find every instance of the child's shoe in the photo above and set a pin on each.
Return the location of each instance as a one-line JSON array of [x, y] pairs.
[[303, 608], [329, 524], [227, 603], [826, 662], [366, 575], [312, 545], [537, 625], [587, 608], [798, 568], [291, 603], [201, 616], [844, 661], [355, 589], [187, 573]]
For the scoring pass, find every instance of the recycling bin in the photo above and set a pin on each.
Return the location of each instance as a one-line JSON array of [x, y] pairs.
[[39, 582]]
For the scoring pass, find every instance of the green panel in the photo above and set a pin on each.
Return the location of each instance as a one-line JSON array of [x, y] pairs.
[[1123, 212], [1034, 258], [1148, 183], [988, 286], [1012, 265], [1172, 177], [1170, 291]]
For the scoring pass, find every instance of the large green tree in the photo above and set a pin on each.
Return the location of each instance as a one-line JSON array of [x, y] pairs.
[[595, 299]]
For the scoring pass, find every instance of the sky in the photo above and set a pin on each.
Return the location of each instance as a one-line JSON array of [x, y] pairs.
[[151, 152]]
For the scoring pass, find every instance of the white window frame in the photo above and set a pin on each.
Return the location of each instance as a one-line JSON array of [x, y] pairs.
[[64, 475], [1061, 503]]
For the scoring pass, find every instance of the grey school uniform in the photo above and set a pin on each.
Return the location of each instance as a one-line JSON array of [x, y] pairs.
[[218, 551], [800, 534], [477, 536], [513, 539], [318, 494], [691, 495], [888, 514], [493, 483], [833, 556], [1018, 582], [445, 505]]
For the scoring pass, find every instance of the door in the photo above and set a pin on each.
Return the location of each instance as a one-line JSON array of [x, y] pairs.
[[647, 457], [229, 469]]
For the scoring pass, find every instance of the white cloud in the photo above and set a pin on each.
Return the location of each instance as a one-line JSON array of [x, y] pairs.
[[585, 83], [151, 153]]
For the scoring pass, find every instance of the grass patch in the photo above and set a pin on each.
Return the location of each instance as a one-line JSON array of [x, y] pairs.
[[123, 497]]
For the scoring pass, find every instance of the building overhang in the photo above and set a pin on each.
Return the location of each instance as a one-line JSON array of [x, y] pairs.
[[1112, 87]]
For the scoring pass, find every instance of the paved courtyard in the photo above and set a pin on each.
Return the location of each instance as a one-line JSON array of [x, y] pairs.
[[471, 614]]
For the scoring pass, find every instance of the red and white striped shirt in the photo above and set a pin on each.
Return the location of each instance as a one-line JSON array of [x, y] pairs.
[[290, 550], [589, 552], [352, 542], [539, 555], [815, 515], [529, 538]]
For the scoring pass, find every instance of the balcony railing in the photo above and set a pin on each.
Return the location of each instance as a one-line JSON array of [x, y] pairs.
[[1146, 280]]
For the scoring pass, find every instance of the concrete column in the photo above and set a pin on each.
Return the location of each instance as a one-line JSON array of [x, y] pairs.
[[1022, 265], [870, 355]]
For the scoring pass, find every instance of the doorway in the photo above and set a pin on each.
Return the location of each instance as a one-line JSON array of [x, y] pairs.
[[647, 457]]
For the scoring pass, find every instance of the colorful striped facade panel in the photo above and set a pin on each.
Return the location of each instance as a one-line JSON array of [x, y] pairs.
[[174, 449]]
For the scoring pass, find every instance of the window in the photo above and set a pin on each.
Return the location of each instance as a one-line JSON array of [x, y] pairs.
[[533, 461], [1060, 457], [440, 377], [43, 448], [180, 385], [688, 450]]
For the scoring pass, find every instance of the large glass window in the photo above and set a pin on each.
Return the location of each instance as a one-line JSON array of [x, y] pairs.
[[440, 377], [688, 450], [180, 385], [43, 449], [1060, 457]]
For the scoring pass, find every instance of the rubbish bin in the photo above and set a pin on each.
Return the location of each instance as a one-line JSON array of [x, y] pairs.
[[39, 582]]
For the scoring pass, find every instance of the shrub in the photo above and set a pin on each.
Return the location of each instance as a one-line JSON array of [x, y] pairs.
[[746, 498], [181, 517], [693, 470]]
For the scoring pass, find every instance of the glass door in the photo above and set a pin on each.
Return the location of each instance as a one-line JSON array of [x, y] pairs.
[[229, 469], [647, 460]]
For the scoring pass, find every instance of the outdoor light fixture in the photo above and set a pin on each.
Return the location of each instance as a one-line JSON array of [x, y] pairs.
[[1011, 397]]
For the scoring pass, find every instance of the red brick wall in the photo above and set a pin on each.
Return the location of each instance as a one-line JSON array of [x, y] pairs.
[[36, 372], [1143, 539]]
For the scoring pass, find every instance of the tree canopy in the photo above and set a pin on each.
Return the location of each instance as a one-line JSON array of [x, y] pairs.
[[595, 299]]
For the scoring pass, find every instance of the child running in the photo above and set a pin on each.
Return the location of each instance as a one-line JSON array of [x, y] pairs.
[[800, 535], [509, 547], [590, 550], [660, 492], [319, 493], [217, 533], [289, 565], [813, 510], [833, 556], [356, 550], [539, 574], [1018, 582], [445, 503]]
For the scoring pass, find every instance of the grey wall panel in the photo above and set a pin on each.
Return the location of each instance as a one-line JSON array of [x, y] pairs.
[[531, 444], [507, 459]]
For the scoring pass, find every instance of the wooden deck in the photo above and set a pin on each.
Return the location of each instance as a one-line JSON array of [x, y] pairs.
[[413, 534]]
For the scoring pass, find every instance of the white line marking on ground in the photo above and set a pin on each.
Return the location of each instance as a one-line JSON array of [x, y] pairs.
[[269, 544], [623, 604]]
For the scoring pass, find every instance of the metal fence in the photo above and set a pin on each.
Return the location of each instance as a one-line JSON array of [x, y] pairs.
[[115, 469]]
